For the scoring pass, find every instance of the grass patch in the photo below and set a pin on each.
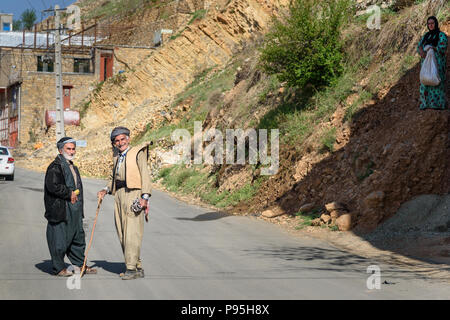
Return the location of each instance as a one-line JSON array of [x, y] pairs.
[[227, 199], [273, 85], [408, 62], [328, 140], [386, 14], [307, 218], [118, 79], [98, 87], [177, 35], [363, 97], [297, 117], [117, 8], [200, 90], [197, 15], [334, 228], [84, 108], [195, 181], [444, 13]]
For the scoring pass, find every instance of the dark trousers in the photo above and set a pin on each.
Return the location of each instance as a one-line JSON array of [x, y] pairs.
[[66, 238]]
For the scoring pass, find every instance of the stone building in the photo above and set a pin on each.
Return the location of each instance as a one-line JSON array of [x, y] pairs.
[[6, 22], [28, 84]]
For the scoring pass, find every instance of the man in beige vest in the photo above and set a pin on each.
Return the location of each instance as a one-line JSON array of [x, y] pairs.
[[130, 181]]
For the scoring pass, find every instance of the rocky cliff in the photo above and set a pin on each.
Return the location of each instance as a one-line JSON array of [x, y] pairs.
[[136, 101]]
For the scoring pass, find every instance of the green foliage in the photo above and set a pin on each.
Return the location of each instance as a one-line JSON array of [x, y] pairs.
[[270, 88], [33, 136], [84, 108], [364, 61], [98, 87], [28, 19], [17, 25], [164, 172], [197, 15], [306, 48], [334, 228], [444, 13], [118, 78], [165, 130], [297, 117], [194, 180], [118, 8], [307, 218], [201, 90], [364, 96], [328, 139]]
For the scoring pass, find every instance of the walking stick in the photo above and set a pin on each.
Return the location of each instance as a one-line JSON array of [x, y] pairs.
[[92, 235]]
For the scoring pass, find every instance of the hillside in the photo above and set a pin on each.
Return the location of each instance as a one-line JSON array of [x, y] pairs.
[[137, 98], [362, 144]]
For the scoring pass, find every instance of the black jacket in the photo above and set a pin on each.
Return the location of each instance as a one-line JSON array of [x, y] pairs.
[[56, 193]]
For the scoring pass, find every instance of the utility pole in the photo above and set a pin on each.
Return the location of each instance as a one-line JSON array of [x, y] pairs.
[[60, 132]]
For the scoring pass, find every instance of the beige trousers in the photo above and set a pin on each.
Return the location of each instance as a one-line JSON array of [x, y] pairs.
[[130, 227]]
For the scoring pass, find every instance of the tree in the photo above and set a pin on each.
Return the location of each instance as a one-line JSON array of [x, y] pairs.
[[17, 25], [304, 46], [28, 18]]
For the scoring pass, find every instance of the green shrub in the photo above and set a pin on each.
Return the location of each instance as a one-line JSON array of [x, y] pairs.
[[306, 48], [84, 108], [329, 139], [307, 218], [364, 96], [197, 15]]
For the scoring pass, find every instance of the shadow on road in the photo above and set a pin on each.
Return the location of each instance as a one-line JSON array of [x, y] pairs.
[[113, 267], [337, 260], [45, 266], [209, 216]]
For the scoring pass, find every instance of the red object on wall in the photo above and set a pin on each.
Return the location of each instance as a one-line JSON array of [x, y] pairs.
[[66, 96], [106, 66], [13, 131], [4, 126], [71, 117]]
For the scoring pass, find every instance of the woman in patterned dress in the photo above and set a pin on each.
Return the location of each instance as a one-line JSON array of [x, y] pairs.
[[434, 96]]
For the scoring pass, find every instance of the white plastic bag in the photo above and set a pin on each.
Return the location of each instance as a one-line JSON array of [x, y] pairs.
[[429, 75]]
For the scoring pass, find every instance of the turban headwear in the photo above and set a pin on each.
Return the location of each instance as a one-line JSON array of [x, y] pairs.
[[60, 144], [118, 131]]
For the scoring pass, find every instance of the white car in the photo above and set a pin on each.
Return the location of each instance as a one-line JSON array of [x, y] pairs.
[[6, 164]]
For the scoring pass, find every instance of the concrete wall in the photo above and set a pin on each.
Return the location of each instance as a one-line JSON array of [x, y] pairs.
[[38, 88], [6, 18], [5, 67]]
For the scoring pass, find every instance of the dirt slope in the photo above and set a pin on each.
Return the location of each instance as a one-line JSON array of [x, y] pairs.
[[392, 152], [138, 99]]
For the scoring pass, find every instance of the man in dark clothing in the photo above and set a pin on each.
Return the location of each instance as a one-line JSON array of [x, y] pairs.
[[63, 197]]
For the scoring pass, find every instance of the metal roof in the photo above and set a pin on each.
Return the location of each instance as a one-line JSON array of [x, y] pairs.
[[15, 39]]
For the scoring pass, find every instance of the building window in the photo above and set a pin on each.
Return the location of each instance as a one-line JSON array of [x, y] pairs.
[[6, 27], [44, 64], [81, 65]]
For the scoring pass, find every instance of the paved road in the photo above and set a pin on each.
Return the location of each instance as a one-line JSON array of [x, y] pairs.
[[188, 253]]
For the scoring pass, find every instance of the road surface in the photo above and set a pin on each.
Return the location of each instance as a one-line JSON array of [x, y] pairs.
[[188, 253]]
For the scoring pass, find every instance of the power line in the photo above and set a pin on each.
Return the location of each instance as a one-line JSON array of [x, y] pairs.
[[43, 3], [32, 6]]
